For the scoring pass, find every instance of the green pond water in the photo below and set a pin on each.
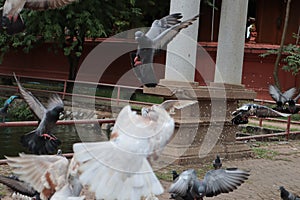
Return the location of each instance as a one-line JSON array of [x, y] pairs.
[[10, 137]]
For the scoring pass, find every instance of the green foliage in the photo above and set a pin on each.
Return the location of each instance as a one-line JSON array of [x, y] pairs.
[[264, 153], [19, 111], [292, 59]]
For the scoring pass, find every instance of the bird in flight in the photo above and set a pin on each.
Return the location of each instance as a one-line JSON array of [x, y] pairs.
[[162, 32], [4, 109], [41, 140]]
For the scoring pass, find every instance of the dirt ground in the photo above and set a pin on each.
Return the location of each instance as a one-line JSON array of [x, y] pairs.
[[275, 164]]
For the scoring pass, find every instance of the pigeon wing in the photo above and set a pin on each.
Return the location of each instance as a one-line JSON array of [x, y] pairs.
[[46, 4], [287, 95], [45, 173], [264, 111], [167, 35], [223, 181], [275, 93], [55, 101], [158, 26], [13, 7], [35, 105], [181, 185], [177, 104]]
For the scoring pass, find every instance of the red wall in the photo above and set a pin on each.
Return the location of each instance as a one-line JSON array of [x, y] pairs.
[[257, 71]]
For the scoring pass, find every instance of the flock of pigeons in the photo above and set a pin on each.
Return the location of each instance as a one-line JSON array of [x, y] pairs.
[[119, 168], [285, 106]]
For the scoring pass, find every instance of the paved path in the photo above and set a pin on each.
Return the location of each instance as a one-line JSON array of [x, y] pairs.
[[266, 174]]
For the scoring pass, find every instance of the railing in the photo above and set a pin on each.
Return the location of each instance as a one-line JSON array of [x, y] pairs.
[[65, 93]]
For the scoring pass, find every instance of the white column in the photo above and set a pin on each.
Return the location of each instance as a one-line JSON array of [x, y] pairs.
[[230, 52], [181, 51]]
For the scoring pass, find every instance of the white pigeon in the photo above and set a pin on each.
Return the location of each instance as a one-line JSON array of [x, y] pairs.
[[53, 176], [119, 169], [12, 8]]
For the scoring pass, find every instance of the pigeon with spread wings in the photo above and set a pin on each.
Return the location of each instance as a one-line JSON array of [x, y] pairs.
[[162, 31], [241, 115], [56, 178], [188, 187], [120, 165], [41, 140], [12, 8], [281, 98]]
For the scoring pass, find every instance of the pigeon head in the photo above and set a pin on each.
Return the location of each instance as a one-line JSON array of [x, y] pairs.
[[138, 35]]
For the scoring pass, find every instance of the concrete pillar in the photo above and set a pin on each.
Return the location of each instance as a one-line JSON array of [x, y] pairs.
[[181, 55], [230, 52]]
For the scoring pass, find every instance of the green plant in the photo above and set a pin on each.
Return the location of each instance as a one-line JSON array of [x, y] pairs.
[[19, 111], [264, 153]]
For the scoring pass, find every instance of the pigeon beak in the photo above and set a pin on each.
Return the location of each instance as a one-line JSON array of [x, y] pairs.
[[137, 61]]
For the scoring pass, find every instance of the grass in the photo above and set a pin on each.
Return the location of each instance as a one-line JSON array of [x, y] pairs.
[[264, 153]]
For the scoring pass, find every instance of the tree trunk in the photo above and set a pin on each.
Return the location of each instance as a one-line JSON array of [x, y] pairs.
[[276, 66]]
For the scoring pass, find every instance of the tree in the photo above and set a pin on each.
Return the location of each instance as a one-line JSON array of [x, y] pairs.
[[68, 27]]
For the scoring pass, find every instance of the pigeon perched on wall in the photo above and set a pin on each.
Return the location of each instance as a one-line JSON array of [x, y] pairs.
[[41, 140], [162, 31], [4, 109], [241, 115], [189, 187], [281, 98], [119, 169], [55, 178], [19, 186], [286, 195], [217, 164]]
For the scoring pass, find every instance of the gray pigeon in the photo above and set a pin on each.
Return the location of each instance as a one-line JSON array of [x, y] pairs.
[[41, 140], [162, 31], [217, 164], [12, 8], [281, 98], [286, 195], [241, 115], [4, 109], [188, 187]]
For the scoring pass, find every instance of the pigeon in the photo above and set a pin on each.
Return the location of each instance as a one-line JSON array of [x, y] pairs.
[[55, 178], [217, 164], [189, 187], [12, 8], [281, 98], [286, 195], [119, 169], [175, 175], [241, 115], [4, 109], [292, 107], [162, 31], [19, 186], [41, 140]]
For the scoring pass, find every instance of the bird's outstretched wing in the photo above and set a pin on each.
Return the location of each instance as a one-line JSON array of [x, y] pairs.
[[55, 101], [167, 35], [45, 173], [120, 165], [158, 26], [181, 185], [264, 111], [35, 105], [278, 96], [46, 4], [223, 180]]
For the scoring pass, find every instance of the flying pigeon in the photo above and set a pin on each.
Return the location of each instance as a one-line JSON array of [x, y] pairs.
[[162, 31], [119, 169], [241, 115], [12, 8], [281, 98], [55, 178], [217, 164], [41, 140], [19, 186], [189, 187], [4, 109], [286, 195]]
